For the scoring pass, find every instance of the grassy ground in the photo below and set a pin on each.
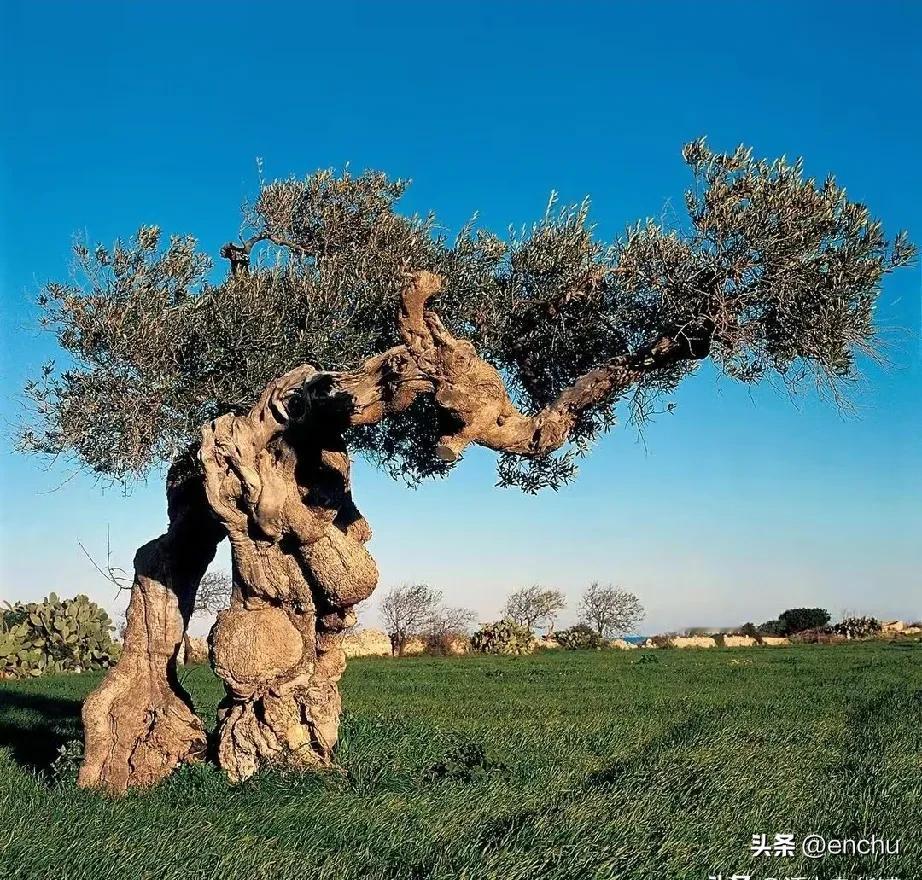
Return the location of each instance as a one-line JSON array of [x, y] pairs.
[[562, 765]]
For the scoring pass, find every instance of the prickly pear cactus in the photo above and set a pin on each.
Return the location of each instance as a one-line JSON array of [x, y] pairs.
[[503, 637], [12, 645], [580, 638], [69, 635]]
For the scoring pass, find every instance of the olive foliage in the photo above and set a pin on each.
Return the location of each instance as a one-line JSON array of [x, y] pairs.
[[773, 273]]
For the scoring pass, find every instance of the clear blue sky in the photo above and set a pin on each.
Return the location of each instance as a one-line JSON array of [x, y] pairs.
[[740, 504]]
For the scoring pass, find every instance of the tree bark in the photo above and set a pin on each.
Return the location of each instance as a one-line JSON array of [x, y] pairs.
[[279, 484], [139, 723]]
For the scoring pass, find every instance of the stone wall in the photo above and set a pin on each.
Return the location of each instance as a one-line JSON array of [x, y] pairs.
[[367, 643], [693, 642], [739, 641], [413, 647]]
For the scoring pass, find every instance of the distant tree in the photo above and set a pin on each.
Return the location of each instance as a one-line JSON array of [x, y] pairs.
[[531, 606], [749, 629], [772, 628], [214, 593], [408, 610], [796, 620], [446, 626], [522, 606], [344, 326], [610, 610], [552, 602], [449, 621]]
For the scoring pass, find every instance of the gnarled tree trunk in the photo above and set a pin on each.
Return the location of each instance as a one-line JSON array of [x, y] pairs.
[[275, 481], [139, 723], [279, 484]]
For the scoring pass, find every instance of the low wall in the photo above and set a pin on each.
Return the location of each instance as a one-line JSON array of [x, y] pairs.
[[367, 643]]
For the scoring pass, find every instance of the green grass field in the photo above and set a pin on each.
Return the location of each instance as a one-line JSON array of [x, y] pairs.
[[561, 765]]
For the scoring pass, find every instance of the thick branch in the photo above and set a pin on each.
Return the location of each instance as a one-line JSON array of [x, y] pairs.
[[432, 361], [472, 390]]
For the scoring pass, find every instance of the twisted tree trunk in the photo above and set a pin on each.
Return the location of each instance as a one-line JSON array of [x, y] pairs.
[[275, 481], [280, 486], [139, 722]]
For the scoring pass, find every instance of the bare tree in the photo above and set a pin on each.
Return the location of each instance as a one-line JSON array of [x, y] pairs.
[[450, 621], [447, 624], [343, 327], [552, 602], [408, 610], [531, 606], [214, 593], [610, 610]]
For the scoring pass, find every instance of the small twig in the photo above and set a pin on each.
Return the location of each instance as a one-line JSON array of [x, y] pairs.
[[112, 573]]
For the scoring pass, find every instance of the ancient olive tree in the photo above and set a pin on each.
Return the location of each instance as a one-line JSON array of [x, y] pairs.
[[343, 327]]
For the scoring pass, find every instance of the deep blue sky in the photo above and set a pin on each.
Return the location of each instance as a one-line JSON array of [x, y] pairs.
[[738, 505]]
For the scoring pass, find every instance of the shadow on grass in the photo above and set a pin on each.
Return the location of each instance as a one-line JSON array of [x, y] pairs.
[[33, 727]]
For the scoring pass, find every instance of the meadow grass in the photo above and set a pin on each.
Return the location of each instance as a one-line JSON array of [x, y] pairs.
[[561, 765]]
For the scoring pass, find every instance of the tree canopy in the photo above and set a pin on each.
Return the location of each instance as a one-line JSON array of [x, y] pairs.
[[529, 606], [774, 273], [610, 610]]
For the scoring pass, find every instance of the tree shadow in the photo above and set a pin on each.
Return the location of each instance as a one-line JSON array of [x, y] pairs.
[[33, 727]]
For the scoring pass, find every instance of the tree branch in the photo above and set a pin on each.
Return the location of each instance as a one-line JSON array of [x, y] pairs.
[[473, 392], [470, 390], [239, 254]]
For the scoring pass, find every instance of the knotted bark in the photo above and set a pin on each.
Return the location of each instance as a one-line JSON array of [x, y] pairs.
[[275, 482], [139, 723], [280, 487]]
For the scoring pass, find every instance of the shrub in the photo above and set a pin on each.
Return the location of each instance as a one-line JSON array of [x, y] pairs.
[[857, 627], [796, 620], [67, 763], [772, 628], [464, 761], [503, 637], [818, 636], [448, 644], [580, 638], [55, 635]]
